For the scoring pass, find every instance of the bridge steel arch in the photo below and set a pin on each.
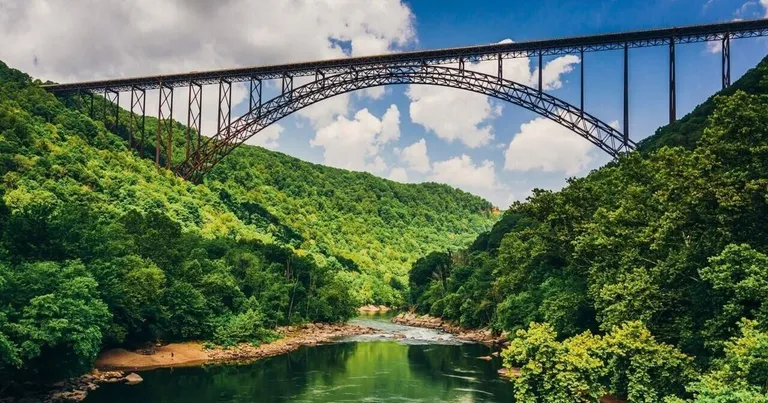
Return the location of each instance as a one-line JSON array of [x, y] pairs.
[[261, 115]]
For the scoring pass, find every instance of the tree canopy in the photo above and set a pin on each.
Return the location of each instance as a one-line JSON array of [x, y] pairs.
[[670, 242]]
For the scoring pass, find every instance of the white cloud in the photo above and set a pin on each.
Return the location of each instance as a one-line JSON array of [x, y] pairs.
[[355, 144], [462, 172], [555, 69], [764, 3], [459, 115], [479, 179], [75, 41], [546, 145], [267, 137], [453, 114], [399, 175], [714, 46], [415, 156], [390, 125], [114, 38]]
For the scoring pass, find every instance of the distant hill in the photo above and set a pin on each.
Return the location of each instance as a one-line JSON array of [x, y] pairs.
[[376, 223]]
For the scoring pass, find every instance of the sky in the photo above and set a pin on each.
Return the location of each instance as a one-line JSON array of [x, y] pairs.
[[409, 133]]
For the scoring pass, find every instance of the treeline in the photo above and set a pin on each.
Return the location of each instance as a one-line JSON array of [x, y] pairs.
[[645, 280]]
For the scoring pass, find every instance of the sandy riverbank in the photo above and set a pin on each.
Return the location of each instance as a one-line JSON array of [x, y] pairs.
[[373, 308], [194, 353], [121, 361]]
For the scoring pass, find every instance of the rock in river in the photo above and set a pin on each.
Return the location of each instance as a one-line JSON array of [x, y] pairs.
[[133, 378]]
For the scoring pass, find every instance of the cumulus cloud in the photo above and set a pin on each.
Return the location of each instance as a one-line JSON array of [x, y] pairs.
[[399, 175], [415, 156], [480, 178], [458, 115], [452, 114], [75, 41], [355, 143], [462, 172], [545, 145]]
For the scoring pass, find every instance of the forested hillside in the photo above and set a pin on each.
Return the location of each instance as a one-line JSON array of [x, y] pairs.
[[98, 248], [645, 280], [376, 226], [372, 227]]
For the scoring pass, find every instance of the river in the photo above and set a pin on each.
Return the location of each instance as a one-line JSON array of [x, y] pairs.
[[425, 366]]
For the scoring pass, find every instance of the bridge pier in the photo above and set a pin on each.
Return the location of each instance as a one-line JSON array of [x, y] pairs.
[[112, 97], [164, 124], [254, 98], [90, 107], [287, 84], [672, 82], [194, 116], [225, 105], [726, 60], [541, 72], [500, 71], [626, 93], [138, 99], [581, 55]]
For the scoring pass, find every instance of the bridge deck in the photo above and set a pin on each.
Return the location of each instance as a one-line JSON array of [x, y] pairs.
[[592, 43]]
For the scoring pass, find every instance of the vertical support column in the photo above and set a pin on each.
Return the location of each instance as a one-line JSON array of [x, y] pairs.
[[254, 99], [581, 54], [672, 82], [225, 105], [104, 107], [164, 124], [287, 84], [138, 99], [541, 72], [501, 68], [113, 97], [626, 93], [726, 61], [194, 117], [461, 65], [90, 108]]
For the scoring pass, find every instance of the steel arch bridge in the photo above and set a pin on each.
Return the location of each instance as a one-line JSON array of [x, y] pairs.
[[335, 77], [216, 148]]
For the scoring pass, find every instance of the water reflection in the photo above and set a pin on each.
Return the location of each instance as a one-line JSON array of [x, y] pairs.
[[352, 371]]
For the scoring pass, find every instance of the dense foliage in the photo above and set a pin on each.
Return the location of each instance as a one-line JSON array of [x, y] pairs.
[[99, 248], [375, 226], [668, 244], [372, 227]]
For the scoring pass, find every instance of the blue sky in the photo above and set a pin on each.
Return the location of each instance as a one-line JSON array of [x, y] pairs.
[[496, 150]]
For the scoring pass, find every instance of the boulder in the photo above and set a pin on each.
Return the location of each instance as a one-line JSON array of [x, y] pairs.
[[133, 378]]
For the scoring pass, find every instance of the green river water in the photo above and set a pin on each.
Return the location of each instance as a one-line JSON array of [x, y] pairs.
[[426, 366]]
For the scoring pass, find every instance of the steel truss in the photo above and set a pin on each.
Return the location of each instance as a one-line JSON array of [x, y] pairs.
[[591, 128], [164, 125], [194, 117], [224, 118], [138, 114], [549, 47], [112, 98], [726, 56]]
